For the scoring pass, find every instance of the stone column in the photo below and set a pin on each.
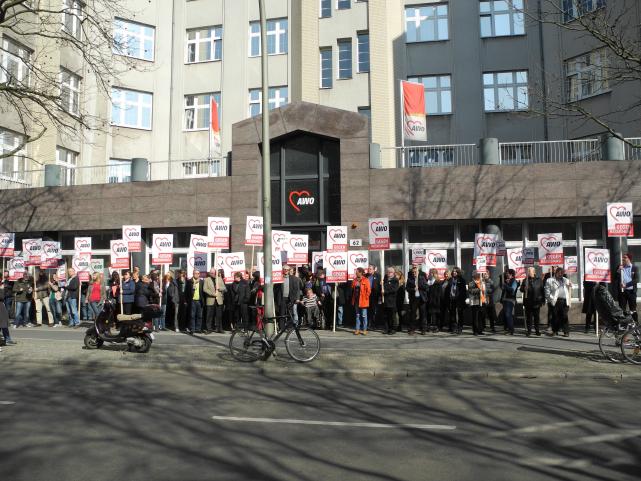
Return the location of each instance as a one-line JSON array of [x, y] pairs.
[[489, 151]]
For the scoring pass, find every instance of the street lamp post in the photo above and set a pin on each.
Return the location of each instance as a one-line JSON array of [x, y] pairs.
[[266, 191]]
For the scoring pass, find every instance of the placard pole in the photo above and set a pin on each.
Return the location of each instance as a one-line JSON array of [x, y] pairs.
[[335, 295]]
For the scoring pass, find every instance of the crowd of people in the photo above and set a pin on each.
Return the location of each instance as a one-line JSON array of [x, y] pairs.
[[422, 302]]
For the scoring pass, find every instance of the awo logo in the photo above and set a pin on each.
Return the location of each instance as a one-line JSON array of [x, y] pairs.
[[32, 247], [297, 243], [317, 258], [233, 262], [50, 249], [337, 261], [83, 245], [278, 239], [199, 263], [218, 226], [5, 241], [337, 234], [119, 248], [416, 126], [486, 244], [300, 198], [516, 257], [81, 263], [598, 260], [379, 229], [436, 258], [255, 226], [550, 243], [17, 264], [132, 234], [358, 259], [620, 212], [199, 243], [163, 243]]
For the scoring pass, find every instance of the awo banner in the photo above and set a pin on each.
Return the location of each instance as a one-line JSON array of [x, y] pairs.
[[481, 264], [597, 265], [51, 254], [97, 266], [550, 249], [119, 254], [571, 264], [501, 251], [82, 265], [485, 246], [279, 239], [379, 234], [132, 234], [162, 249], [620, 219], [197, 261], [418, 256], [32, 251], [214, 130], [218, 232], [7, 244], [515, 262], [277, 268], [336, 238], [230, 264], [356, 259], [82, 246], [254, 231], [529, 256], [436, 259], [335, 264], [199, 243], [297, 249], [317, 259], [16, 267], [414, 118]]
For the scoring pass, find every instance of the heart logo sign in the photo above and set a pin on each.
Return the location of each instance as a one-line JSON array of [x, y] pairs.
[[516, 257], [299, 198], [598, 260], [278, 239], [131, 234], [378, 228], [233, 262], [358, 259], [118, 248], [163, 243], [336, 261], [337, 234], [620, 213], [297, 243], [486, 244], [436, 258], [550, 243], [217, 226], [255, 226]]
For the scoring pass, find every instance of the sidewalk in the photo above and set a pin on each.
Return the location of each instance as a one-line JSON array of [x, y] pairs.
[[342, 353]]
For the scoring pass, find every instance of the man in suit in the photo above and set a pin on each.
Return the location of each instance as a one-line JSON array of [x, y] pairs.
[[627, 278], [195, 294], [375, 285]]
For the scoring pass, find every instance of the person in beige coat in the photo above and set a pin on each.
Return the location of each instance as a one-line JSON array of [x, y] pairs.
[[214, 288]]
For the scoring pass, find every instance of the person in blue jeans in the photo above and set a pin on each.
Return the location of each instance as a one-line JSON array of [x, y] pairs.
[[23, 292], [510, 286], [72, 298], [360, 300]]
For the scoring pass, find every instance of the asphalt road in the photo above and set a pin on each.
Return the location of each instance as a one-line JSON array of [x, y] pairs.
[[75, 424]]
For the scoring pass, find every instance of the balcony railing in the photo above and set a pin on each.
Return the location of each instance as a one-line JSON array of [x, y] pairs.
[[633, 148], [434, 155], [549, 152]]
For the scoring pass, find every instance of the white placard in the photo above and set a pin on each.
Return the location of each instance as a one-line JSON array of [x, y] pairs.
[[485, 246], [336, 265], [597, 265], [254, 230], [32, 251], [119, 254], [218, 231], [7, 244], [230, 263], [620, 219], [436, 259], [198, 261], [515, 262], [356, 259], [162, 249], [277, 268], [550, 249], [82, 246], [199, 243], [379, 235], [132, 234], [481, 264], [297, 248], [336, 238]]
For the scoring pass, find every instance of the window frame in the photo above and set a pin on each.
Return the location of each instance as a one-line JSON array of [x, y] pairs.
[[343, 4], [433, 18], [325, 9], [259, 100], [69, 166], [139, 105], [74, 91], [439, 90], [512, 12], [273, 22], [572, 9], [22, 62], [140, 37], [359, 36], [340, 42], [18, 159], [496, 87], [198, 106], [215, 38], [118, 164], [579, 73], [323, 69], [75, 9]]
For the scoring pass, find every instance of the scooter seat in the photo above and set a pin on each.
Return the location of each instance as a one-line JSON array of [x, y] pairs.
[[128, 317]]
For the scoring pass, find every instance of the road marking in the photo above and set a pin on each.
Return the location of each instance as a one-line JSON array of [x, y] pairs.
[[603, 438], [442, 427], [539, 428], [7, 403], [554, 462]]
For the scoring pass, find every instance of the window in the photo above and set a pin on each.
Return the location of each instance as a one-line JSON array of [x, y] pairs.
[[198, 111], [501, 18], [277, 98], [133, 39], [14, 62], [204, 44], [438, 93], [130, 108], [69, 92], [367, 112], [363, 52], [68, 159], [505, 91], [575, 8], [118, 171], [72, 17], [345, 58], [586, 75], [276, 37], [343, 4], [13, 167], [426, 23], [326, 77], [325, 8]]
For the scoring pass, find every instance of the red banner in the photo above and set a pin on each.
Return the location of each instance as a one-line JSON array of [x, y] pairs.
[[414, 120]]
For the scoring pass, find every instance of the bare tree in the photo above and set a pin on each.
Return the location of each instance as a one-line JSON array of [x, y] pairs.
[[36, 91]]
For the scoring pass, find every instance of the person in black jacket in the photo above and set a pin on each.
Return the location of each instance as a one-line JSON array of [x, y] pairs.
[[626, 282], [490, 307], [195, 298], [533, 299], [444, 318], [241, 294], [390, 291], [8, 292], [434, 295], [343, 292], [589, 309], [457, 294], [375, 295], [183, 308], [415, 299], [143, 294], [401, 308], [288, 295]]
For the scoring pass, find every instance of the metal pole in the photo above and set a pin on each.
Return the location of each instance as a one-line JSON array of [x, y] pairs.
[[266, 191]]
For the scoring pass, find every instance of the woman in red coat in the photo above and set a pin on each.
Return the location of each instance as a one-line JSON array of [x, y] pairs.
[[361, 291]]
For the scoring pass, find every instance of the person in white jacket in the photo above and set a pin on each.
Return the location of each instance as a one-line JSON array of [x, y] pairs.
[[558, 294]]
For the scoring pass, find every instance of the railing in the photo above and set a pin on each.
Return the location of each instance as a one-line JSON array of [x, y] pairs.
[[433, 155], [550, 152], [17, 180], [633, 148], [188, 169]]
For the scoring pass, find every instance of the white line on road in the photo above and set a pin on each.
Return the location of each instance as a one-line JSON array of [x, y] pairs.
[[539, 428], [603, 438], [7, 403], [442, 427]]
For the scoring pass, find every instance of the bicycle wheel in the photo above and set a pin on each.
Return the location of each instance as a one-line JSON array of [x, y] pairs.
[[246, 346], [631, 345], [302, 344], [610, 344]]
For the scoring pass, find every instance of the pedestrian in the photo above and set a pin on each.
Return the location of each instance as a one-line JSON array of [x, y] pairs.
[[143, 294], [588, 308], [171, 298], [490, 306], [311, 303], [55, 301], [390, 306], [444, 316], [42, 298], [360, 301], [71, 296], [256, 309], [183, 311], [477, 302], [95, 295], [128, 292], [626, 280], [342, 300], [558, 293], [194, 297], [457, 294], [434, 293], [113, 287], [155, 288], [550, 308], [4, 317], [209, 289], [84, 306], [402, 301], [413, 291], [8, 292], [375, 284], [508, 299], [23, 292], [533, 299], [240, 302], [287, 295]]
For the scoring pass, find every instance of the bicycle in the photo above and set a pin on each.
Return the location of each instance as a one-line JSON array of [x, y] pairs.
[[302, 343], [631, 343], [610, 340]]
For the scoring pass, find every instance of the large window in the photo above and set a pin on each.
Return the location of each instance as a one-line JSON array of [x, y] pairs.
[[345, 58], [198, 111], [72, 16], [326, 77], [68, 160], [426, 23], [277, 98], [14, 62], [325, 8], [363, 52], [133, 39], [500, 18], [130, 108], [204, 44], [12, 167], [276, 37], [118, 171], [586, 75], [505, 91], [343, 4], [438, 93], [69, 92], [575, 8]]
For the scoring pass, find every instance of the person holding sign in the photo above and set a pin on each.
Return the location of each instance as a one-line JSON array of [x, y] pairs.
[[23, 291], [42, 299], [194, 294], [627, 278], [457, 295], [71, 291], [533, 299], [361, 292], [558, 292], [510, 286], [390, 291], [478, 299]]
